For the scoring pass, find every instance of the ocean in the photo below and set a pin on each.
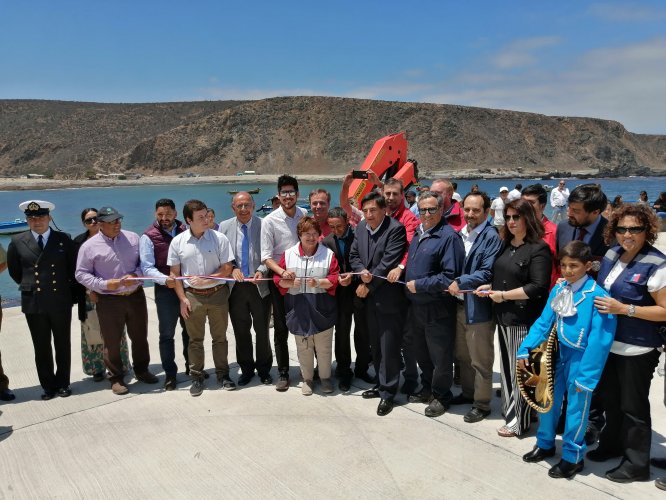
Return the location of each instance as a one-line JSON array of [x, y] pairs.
[[137, 203]]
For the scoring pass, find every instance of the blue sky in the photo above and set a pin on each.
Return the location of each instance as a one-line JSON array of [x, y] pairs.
[[572, 58]]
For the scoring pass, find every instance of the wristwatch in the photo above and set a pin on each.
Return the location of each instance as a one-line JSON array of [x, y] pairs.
[[631, 311], [401, 266]]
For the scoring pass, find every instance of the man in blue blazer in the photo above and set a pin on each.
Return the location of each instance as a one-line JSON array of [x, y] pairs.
[[379, 247], [249, 302]]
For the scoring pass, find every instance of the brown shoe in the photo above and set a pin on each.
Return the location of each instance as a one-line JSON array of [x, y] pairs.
[[119, 388]]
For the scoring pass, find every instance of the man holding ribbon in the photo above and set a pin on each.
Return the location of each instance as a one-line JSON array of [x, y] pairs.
[[249, 302], [204, 257]]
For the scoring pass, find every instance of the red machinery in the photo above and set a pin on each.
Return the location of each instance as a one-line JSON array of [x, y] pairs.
[[387, 158]]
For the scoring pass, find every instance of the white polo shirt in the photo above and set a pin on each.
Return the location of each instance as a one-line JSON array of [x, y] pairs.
[[199, 256]]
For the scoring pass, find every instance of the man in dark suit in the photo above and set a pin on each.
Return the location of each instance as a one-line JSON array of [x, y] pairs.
[[349, 305], [249, 303], [585, 223], [379, 247], [6, 393], [41, 261]]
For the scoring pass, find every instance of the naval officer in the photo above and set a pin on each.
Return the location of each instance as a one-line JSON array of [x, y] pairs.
[[41, 261]]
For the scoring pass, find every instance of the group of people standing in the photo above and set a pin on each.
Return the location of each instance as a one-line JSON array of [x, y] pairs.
[[426, 289]]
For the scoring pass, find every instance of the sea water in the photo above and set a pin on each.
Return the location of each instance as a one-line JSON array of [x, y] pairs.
[[137, 203]]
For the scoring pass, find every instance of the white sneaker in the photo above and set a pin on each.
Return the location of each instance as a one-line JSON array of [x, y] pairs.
[[307, 387]]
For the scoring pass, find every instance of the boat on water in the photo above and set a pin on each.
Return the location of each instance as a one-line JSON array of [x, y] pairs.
[[13, 227], [251, 191]]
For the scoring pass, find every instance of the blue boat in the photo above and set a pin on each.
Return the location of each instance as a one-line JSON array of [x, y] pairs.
[[13, 227]]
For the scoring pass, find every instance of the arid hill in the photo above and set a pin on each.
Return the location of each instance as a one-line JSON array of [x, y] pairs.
[[309, 135]]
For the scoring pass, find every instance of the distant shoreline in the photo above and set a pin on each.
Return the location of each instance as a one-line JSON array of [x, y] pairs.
[[11, 184]]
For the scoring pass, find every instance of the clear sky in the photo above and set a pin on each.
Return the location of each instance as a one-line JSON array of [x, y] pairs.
[[565, 57]]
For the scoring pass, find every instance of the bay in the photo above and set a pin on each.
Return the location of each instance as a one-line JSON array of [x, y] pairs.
[[137, 203]]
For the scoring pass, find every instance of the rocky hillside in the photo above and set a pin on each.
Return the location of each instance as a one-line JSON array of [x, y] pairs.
[[309, 135]]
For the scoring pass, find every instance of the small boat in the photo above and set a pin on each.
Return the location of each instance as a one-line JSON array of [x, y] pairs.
[[13, 227], [251, 191]]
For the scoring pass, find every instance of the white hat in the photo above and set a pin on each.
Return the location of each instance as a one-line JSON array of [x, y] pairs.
[[36, 207], [504, 188]]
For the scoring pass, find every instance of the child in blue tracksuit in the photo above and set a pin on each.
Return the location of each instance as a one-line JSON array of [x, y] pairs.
[[585, 337]]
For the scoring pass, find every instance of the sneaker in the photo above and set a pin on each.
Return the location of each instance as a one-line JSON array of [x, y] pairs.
[[225, 382], [119, 388], [283, 382], [197, 387], [307, 387], [170, 383], [326, 385]]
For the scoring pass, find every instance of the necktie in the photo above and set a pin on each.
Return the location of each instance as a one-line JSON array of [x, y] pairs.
[[582, 232], [245, 252], [40, 242]]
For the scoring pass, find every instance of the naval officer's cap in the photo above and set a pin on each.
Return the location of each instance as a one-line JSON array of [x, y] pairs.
[[36, 207]]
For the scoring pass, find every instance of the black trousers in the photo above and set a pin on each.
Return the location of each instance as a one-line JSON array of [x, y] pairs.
[[44, 327], [350, 306], [386, 332], [247, 307], [432, 332], [625, 388], [280, 331]]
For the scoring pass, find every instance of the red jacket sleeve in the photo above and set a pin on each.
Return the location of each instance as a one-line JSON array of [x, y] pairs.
[[333, 274]]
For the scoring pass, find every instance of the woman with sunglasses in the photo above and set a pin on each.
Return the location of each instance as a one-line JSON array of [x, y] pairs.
[[634, 273], [92, 348], [521, 281]]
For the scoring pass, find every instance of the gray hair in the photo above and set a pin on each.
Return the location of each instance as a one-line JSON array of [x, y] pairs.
[[430, 194]]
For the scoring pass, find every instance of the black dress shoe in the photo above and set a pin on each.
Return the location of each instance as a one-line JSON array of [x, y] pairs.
[[565, 469], [461, 400], [601, 454], [538, 454], [99, 376], [7, 395], [658, 462], [435, 408], [266, 379], [475, 415], [345, 384], [620, 474], [245, 379], [64, 392], [370, 393], [170, 383], [384, 408], [48, 395], [660, 483], [422, 396]]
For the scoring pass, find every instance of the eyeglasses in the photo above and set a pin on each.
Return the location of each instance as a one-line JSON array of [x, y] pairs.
[[515, 217], [90, 220], [243, 206], [429, 210], [117, 221], [632, 230], [287, 193]]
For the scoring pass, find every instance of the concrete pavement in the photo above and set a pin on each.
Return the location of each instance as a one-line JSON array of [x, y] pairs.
[[256, 442]]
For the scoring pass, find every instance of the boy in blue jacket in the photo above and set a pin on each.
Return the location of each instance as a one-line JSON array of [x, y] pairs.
[[585, 338]]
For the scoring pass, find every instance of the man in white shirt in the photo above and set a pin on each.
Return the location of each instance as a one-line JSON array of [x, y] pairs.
[[497, 207], [559, 197], [203, 254], [278, 232]]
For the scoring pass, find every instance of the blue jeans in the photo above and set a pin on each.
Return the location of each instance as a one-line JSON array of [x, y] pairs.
[[168, 314]]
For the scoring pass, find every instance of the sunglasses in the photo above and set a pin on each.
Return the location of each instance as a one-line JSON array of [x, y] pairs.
[[632, 230], [429, 210], [90, 220], [515, 217], [287, 193]]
